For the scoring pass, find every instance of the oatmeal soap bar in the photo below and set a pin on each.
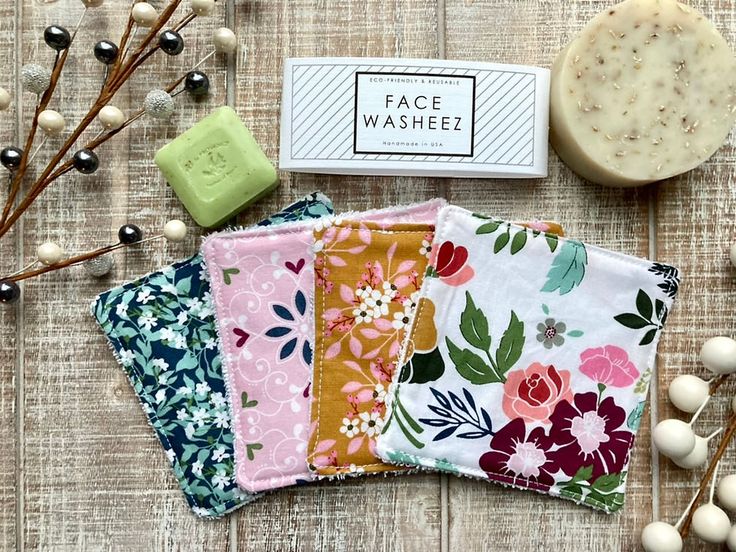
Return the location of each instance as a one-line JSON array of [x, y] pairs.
[[647, 91]]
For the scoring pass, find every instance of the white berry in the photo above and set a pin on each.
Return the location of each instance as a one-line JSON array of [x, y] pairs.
[[718, 355], [203, 7], [175, 231], [144, 14], [35, 78], [697, 457], [159, 104], [727, 492], [49, 253], [92, 3], [661, 537], [51, 122], [225, 41], [731, 542], [5, 99], [674, 438], [111, 117], [711, 524], [688, 392]]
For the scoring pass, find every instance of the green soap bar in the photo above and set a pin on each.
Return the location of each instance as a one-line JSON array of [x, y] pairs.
[[217, 168]]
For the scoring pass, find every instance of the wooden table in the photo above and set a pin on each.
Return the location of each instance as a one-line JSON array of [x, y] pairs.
[[79, 466]]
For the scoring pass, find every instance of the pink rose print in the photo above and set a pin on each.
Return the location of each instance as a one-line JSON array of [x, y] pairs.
[[609, 365], [515, 455], [588, 433], [451, 266], [532, 394]]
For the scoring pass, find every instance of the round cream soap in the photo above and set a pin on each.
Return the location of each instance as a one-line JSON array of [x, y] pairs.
[[647, 91]]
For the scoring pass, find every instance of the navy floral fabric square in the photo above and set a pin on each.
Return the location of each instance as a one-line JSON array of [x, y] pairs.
[[162, 331]]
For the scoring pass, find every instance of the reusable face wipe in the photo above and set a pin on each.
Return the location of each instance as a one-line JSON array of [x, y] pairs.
[[263, 286], [528, 360], [162, 330]]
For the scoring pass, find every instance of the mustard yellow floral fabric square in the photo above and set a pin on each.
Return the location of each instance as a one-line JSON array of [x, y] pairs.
[[367, 280]]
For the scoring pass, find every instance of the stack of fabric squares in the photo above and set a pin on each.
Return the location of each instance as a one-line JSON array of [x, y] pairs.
[[317, 346]]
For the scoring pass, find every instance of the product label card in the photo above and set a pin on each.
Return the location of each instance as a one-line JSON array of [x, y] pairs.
[[414, 114]]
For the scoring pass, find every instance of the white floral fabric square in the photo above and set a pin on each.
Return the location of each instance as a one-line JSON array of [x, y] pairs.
[[528, 360]]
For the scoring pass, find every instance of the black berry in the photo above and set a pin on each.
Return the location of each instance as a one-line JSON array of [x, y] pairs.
[[171, 42], [197, 83], [130, 233], [86, 161], [11, 157], [9, 291], [57, 38], [106, 52]]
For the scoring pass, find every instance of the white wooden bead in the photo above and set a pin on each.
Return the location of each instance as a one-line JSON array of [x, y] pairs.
[[711, 524], [5, 99], [731, 542], [732, 254], [688, 392], [49, 253], [203, 7], [225, 41], [92, 3], [674, 438], [144, 14], [697, 458], [111, 117], [175, 231], [718, 355], [51, 122], [661, 537], [727, 492]]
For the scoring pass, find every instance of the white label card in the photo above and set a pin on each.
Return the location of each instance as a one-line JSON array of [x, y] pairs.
[[414, 114]]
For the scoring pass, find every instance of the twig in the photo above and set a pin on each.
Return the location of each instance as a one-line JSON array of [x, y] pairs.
[[725, 441]]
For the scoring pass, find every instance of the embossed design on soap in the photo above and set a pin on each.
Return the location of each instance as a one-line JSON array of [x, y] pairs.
[[212, 164]]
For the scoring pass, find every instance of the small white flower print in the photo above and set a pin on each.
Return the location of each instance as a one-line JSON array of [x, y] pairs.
[[126, 357], [121, 310], [410, 303], [144, 296], [180, 342], [426, 248], [200, 416], [219, 455], [185, 391], [371, 423], [189, 430], [222, 419], [163, 379], [350, 428], [210, 343], [379, 393], [363, 292], [147, 321], [167, 334], [202, 512], [182, 317], [160, 363], [202, 388], [193, 304], [379, 302], [220, 479], [401, 320], [390, 290], [363, 314], [160, 396], [318, 246], [217, 400], [197, 468], [171, 455], [182, 414]]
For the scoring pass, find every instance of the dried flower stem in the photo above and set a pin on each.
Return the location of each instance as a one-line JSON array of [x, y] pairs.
[[121, 72]]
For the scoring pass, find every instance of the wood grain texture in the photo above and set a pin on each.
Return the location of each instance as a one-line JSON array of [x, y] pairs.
[[93, 476], [10, 318]]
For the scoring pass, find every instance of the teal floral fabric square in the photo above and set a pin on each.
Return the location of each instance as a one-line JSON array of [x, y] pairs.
[[162, 331]]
